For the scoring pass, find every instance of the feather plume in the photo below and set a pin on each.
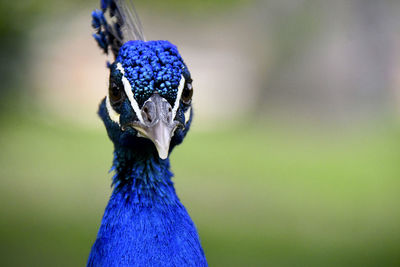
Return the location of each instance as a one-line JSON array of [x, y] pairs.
[[116, 23]]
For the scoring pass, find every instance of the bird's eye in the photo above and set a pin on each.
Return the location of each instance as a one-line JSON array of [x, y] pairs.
[[115, 92], [187, 94]]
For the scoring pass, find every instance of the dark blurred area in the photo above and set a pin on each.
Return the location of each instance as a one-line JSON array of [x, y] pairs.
[[293, 158]]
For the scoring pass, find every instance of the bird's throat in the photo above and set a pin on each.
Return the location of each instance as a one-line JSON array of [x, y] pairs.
[[142, 178]]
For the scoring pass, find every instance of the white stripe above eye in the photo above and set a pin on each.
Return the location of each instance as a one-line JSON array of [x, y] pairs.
[[129, 93], [114, 116], [178, 96]]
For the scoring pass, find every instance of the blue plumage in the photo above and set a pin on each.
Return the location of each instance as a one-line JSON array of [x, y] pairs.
[[147, 112], [144, 223]]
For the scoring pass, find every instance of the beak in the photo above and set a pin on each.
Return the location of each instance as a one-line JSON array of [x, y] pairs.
[[158, 124]]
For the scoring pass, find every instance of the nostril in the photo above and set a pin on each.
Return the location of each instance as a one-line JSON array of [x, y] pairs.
[[147, 113]]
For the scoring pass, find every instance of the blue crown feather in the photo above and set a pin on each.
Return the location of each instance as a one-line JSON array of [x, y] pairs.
[[153, 66]]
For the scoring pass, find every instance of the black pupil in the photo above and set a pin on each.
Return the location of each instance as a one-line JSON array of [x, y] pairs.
[[116, 96], [187, 93], [115, 90]]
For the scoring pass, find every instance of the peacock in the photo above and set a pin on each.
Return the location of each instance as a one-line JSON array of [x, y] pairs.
[[147, 112]]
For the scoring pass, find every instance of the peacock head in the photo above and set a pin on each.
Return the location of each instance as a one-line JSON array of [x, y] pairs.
[[148, 105]]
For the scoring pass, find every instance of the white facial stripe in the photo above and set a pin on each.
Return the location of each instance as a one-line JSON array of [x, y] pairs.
[[178, 96], [114, 116], [187, 114], [129, 93]]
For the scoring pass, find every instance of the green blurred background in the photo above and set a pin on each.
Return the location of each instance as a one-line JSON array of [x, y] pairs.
[[293, 158]]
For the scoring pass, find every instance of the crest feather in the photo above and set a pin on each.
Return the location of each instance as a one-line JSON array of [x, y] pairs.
[[121, 25]]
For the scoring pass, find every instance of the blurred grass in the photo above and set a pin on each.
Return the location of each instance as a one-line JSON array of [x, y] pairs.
[[259, 195]]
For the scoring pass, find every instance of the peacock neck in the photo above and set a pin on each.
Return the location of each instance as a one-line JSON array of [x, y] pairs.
[[144, 223], [143, 178]]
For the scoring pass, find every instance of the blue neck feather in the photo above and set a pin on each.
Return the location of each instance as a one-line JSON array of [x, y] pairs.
[[144, 179], [144, 223]]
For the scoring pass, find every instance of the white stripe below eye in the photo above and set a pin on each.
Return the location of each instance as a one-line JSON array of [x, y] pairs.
[[178, 96], [187, 114], [114, 116], [129, 93]]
